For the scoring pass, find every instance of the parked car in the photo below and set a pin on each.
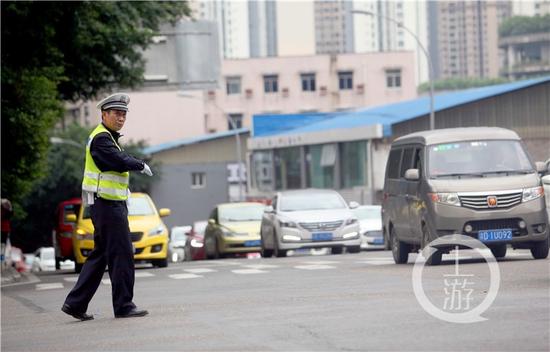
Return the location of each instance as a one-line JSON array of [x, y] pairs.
[[178, 240], [44, 259], [195, 241], [370, 225], [233, 228], [62, 237], [477, 181], [309, 218], [148, 233]]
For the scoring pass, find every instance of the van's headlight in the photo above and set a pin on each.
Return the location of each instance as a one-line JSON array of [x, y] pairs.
[[532, 193], [156, 231], [83, 235], [290, 224], [228, 233], [445, 198]]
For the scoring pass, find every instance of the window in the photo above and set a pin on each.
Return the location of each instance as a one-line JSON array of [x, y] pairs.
[[407, 161], [345, 80], [262, 170], [353, 157], [198, 180], [308, 82], [393, 78], [271, 83], [288, 168], [237, 120], [392, 169], [320, 165], [233, 85]]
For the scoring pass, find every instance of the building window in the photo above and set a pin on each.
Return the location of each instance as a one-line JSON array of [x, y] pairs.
[[308, 82], [320, 165], [233, 85], [198, 180], [393, 78], [345, 80], [271, 83], [237, 120], [262, 170], [353, 158], [288, 168]]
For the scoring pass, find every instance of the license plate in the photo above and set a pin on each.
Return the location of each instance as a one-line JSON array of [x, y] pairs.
[[495, 235], [322, 236], [378, 241], [254, 243]]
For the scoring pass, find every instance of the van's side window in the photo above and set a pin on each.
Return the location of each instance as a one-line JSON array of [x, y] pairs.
[[393, 163], [407, 161], [417, 163]]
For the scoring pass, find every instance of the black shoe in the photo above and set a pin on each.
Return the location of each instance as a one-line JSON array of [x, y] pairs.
[[77, 315], [134, 312]]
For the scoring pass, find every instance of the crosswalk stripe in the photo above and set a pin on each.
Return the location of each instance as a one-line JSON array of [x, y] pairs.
[[71, 279], [199, 270], [321, 262], [40, 287], [260, 266], [106, 281], [143, 274], [248, 271], [314, 267], [184, 276]]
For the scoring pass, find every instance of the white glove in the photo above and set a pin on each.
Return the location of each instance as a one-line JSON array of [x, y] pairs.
[[146, 170]]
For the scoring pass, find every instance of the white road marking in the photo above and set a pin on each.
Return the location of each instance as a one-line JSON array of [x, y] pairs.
[[143, 274], [320, 262], [71, 279], [200, 270], [106, 281], [184, 276], [314, 267], [51, 286], [248, 271], [260, 266], [376, 262]]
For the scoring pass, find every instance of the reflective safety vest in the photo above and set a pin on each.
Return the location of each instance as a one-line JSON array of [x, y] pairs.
[[109, 185]]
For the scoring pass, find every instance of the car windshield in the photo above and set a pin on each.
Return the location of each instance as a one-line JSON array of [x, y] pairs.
[[137, 207], [478, 159], [47, 255], [311, 201], [368, 213], [200, 226], [241, 213]]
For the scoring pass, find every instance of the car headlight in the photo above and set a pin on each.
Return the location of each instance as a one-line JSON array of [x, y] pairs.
[[83, 235], [196, 244], [445, 198], [350, 235], [290, 224], [351, 221], [532, 193], [228, 233], [156, 231]]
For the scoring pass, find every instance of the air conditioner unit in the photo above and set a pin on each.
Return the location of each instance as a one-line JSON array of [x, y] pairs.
[[211, 94], [285, 92], [323, 90], [248, 92], [360, 88]]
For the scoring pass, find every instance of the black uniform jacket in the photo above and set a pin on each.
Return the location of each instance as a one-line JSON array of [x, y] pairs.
[[108, 157]]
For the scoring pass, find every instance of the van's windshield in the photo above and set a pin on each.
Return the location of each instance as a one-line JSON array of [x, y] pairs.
[[478, 159]]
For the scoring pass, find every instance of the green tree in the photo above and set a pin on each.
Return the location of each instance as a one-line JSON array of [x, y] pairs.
[[519, 25], [56, 51], [457, 83]]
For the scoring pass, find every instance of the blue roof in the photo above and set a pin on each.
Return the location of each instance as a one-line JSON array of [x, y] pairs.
[[387, 115], [192, 140]]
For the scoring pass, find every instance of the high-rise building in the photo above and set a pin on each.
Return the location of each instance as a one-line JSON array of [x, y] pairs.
[[464, 37], [333, 26], [530, 7]]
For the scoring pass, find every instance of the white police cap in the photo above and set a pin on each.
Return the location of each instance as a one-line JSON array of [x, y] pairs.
[[117, 101]]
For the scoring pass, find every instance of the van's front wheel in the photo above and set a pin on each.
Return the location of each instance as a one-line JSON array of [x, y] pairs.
[[435, 258], [399, 249]]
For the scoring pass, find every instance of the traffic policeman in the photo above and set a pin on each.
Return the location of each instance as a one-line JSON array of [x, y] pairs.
[[105, 190]]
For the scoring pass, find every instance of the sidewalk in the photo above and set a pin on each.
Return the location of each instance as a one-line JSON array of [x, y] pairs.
[[10, 275]]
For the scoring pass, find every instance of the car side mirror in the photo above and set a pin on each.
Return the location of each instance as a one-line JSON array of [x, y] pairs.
[[212, 221], [353, 205], [412, 175], [541, 167], [269, 209], [546, 180], [70, 218], [164, 212]]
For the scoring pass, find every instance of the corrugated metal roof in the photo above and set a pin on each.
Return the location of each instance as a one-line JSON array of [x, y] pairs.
[[192, 140], [269, 125]]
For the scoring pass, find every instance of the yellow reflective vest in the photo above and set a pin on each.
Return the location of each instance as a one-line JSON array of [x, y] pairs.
[[109, 185]]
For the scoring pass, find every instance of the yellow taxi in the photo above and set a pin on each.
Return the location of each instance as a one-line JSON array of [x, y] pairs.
[[233, 228], [148, 232]]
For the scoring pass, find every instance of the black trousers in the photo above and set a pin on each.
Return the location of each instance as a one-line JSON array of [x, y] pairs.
[[112, 249]]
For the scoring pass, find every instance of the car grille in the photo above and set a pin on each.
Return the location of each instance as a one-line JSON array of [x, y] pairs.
[[136, 236], [504, 201], [481, 225], [373, 233], [321, 226]]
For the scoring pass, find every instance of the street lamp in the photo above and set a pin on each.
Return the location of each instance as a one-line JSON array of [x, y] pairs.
[[428, 57], [237, 139]]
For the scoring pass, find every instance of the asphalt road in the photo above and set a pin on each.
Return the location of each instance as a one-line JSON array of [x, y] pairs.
[[352, 302]]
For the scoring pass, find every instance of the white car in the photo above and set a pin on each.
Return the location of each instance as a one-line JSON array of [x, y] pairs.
[[370, 223], [44, 259], [309, 218], [176, 246]]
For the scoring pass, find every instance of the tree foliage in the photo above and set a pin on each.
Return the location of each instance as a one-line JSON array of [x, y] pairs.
[[519, 25], [55, 51], [459, 83]]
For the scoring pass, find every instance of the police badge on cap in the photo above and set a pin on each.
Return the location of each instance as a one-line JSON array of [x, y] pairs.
[[117, 101]]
